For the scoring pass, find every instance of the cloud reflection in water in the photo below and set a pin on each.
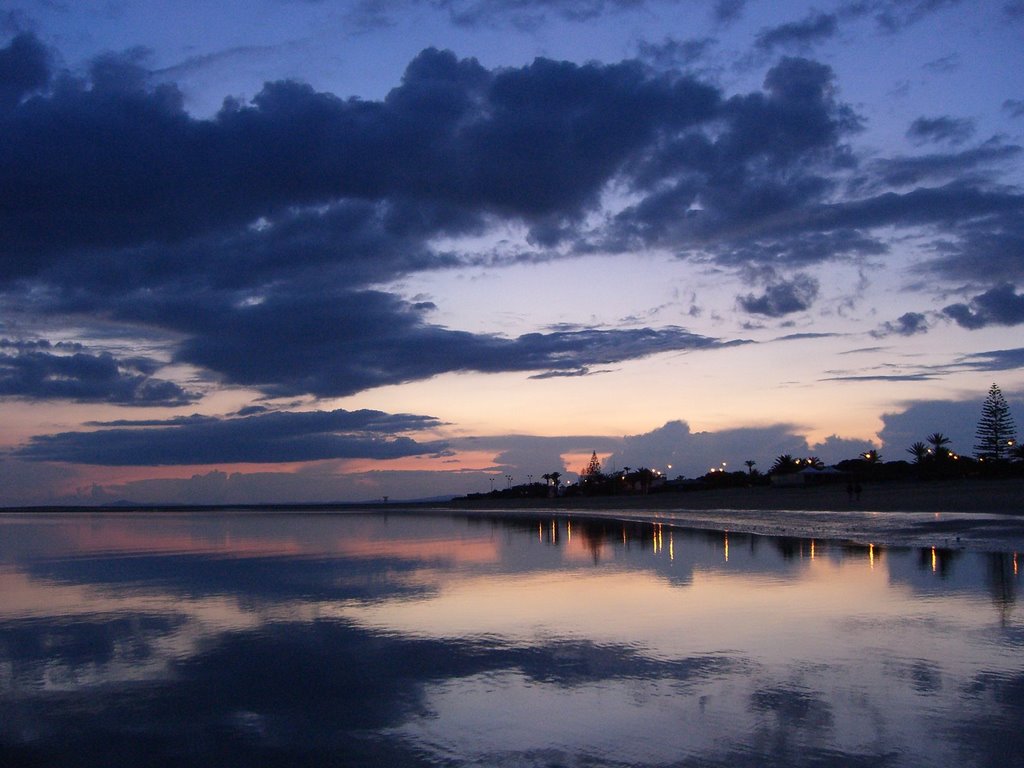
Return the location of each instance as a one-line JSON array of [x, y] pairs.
[[419, 640]]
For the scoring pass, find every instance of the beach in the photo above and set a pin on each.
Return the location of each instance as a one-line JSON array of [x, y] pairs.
[[960, 514]]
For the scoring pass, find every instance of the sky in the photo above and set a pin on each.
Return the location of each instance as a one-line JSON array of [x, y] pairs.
[[311, 251]]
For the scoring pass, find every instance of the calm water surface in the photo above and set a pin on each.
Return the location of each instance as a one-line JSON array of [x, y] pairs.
[[258, 639]]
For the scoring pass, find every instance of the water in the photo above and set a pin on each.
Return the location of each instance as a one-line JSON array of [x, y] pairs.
[[292, 639]]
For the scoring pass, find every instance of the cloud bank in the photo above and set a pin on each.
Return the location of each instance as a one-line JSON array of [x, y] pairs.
[[258, 237]]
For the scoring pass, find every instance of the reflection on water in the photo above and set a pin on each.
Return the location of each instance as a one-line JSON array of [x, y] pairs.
[[259, 639]]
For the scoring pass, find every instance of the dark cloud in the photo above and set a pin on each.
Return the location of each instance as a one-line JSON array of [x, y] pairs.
[[672, 53], [798, 34], [907, 324], [690, 453], [895, 15], [1001, 305], [945, 129], [576, 373], [995, 360], [207, 60], [1014, 9], [24, 69], [341, 344], [947, 63], [24, 345], [955, 419], [263, 438], [259, 237], [939, 167], [728, 11], [183, 231], [782, 298], [111, 163], [674, 444], [984, 248], [41, 371], [805, 336], [521, 455], [775, 154], [1015, 107], [949, 204], [528, 14], [800, 250], [885, 377]]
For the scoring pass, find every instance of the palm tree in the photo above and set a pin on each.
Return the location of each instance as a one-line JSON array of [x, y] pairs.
[[814, 461], [645, 476], [784, 465], [551, 478], [939, 442], [750, 465], [919, 451], [872, 456]]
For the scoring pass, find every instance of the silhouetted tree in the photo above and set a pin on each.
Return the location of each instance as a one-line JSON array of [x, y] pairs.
[[939, 441], [750, 466], [815, 462], [784, 465], [872, 456], [592, 479], [919, 451], [996, 430], [645, 476]]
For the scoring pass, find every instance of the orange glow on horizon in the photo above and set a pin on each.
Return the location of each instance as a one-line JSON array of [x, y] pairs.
[[577, 462], [479, 461], [84, 536], [112, 477]]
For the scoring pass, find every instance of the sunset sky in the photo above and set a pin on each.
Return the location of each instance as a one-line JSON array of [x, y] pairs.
[[283, 250]]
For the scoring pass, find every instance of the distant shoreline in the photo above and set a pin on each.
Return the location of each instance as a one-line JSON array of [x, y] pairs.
[[985, 515], [999, 496], [956, 514], [1003, 496]]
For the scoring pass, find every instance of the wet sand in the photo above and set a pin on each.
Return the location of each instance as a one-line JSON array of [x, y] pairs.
[[967, 514]]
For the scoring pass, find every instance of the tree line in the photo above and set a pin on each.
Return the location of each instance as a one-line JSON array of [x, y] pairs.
[[997, 453]]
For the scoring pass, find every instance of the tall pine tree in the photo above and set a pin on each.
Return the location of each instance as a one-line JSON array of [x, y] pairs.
[[996, 431]]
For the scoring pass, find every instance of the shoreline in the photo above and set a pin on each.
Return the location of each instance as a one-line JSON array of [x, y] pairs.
[[1002, 496], [954, 514], [961, 514]]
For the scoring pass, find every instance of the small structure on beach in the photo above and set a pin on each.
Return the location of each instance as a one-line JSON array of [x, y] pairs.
[[810, 476]]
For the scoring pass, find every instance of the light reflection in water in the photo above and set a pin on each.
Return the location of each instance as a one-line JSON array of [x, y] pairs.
[[419, 640]]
